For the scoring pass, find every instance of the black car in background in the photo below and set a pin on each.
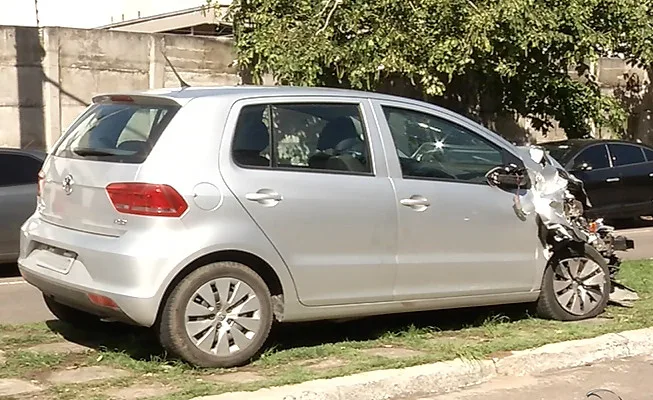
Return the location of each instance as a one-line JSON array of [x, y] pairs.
[[618, 175]]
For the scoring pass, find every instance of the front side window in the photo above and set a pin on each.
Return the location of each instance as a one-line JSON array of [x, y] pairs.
[[624, 154], [432, 147], [302, 136], [595, 157], [18, 169]]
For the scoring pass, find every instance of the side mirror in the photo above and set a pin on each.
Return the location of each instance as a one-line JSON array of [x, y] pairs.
[[510, 177]]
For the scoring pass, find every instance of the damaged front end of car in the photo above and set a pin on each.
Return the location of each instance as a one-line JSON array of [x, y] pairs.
[[559, 200]]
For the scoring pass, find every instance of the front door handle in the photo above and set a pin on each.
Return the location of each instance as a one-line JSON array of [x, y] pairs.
[[416, 202], [265, 197], [610, 180]]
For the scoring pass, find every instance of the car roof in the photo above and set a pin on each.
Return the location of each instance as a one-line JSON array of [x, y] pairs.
[[582, 143], [30, 152], [573, 147], [263, 91], [184, 95]]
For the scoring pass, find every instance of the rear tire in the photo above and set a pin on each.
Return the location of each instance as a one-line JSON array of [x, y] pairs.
[[72, 316], [576, 285], [219, 316]]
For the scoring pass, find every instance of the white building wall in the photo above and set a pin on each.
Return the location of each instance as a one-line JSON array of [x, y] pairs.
[[88, 13], [133, 9]]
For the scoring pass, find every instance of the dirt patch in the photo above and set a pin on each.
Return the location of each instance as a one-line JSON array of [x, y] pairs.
[[85, 374], [239, 377], [322, 364], [140, 391], [13, 387], [499, 354], [591, 321], [392, 352], [60, 348]]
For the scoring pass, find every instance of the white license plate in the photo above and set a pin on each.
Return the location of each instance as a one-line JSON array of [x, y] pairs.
[[54, 258]]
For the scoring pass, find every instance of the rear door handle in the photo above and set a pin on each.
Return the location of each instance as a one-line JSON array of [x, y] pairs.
[[650, 175], [610, 180], [416, 202], [265, 197]]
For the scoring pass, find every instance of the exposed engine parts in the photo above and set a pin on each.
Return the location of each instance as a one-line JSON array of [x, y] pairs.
[[559, 199]]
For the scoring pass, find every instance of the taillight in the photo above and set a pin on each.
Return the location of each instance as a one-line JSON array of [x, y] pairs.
[[41, 181], [102, 301], [146, 199]]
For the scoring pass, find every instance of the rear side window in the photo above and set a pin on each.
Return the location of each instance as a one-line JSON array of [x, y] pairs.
[[624, 154], [18, 169], [649, 154], [315, 137], [116, 132]]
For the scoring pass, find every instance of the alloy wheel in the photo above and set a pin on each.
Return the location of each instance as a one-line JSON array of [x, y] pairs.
[[223, 316], [579, 285]]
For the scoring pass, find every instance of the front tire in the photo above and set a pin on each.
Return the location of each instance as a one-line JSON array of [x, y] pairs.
[[219, 316], [576, 285]]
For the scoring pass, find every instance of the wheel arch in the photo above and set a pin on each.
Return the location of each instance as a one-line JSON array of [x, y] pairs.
[[256, 263]]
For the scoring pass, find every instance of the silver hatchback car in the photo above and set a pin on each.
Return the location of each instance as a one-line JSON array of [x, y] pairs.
[[208, 213]]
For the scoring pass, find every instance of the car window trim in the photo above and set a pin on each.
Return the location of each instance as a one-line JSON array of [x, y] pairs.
[[644, 148], [268, 102], [505, 153], [641, 149]]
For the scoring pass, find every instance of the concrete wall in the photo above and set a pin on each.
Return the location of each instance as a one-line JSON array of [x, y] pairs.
[[48, 76], [631, 86]]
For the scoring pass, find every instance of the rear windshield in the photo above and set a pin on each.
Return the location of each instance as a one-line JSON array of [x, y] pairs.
[[115, 132]]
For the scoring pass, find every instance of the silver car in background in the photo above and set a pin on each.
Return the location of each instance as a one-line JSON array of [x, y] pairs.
[[18, 190], [207, 213]]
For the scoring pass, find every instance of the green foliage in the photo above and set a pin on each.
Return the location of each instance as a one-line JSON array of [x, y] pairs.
[[478, 57]]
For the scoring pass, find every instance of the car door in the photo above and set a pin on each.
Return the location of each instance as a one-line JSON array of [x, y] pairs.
[[18, 185], [310, 172], [457, 235], [630, 162], [602, 182]]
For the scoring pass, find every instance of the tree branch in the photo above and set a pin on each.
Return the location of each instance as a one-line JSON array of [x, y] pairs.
[[333, 10]]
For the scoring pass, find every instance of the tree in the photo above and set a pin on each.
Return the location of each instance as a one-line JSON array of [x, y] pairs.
[[482, 58]]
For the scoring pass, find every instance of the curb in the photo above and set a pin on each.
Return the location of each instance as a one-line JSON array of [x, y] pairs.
[[442, 377]]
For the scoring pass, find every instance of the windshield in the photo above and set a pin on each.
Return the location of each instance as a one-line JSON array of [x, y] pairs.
[[559, 151], [116, 132]]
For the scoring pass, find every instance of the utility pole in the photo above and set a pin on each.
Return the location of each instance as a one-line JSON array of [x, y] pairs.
[[36, 11]]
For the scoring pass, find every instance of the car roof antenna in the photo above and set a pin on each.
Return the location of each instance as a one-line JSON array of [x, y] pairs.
[[183, 84]]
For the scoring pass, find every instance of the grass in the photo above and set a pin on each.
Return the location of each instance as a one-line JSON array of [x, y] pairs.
[[471, 333]]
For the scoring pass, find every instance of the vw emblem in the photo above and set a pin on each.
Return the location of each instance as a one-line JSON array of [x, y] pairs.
[[68, 184]]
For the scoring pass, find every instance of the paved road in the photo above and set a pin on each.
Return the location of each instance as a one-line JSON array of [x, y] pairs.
[[629, 379], [643, 238], [20, 302]]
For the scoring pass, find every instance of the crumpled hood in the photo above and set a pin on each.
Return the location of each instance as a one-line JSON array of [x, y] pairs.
[[549, 190]]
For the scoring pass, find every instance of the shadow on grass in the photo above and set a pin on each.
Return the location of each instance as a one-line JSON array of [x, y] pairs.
[[138, 343], [142, 344]]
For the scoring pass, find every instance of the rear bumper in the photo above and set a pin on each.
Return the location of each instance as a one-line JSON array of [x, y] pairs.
[[131, 271], [73, 297]]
